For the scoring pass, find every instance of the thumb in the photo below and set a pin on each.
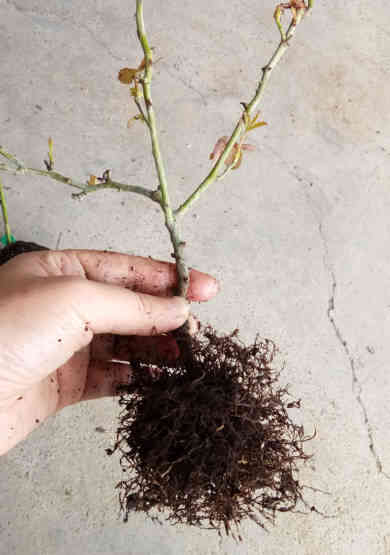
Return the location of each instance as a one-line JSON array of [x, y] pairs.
[[44, 321]]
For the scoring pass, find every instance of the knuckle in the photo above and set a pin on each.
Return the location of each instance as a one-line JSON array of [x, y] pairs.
[[46, 261]]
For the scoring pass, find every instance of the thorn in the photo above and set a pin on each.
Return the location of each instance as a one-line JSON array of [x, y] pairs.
[[105, 177]]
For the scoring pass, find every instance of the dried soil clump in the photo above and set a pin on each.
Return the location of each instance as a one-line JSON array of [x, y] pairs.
[[209, 439]]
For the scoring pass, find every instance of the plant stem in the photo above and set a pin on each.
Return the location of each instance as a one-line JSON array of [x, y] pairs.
[[170, 220], [249, 109], [7, 228], [161, 195], [146, 85], [84, 188], [18, 164]]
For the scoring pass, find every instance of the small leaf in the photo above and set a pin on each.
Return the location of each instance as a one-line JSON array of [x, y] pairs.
[[235, 157], [127, 75], [258, 124], [219, 147], [298, 4], [50, 153], [238, 159], [136, 92], [138, 117], [247, 146], [253, 124]]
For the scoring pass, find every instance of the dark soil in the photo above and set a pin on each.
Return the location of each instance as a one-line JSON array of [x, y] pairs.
[[19, 247], [208, 439]]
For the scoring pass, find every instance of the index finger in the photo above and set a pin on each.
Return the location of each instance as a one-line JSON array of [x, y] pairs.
[[144, 275], [139, 274]]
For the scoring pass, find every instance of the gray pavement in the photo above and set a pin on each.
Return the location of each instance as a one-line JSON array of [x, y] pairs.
[[299, 237]]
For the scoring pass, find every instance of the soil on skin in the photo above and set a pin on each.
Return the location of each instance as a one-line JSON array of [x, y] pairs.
[[19, 247], [208, 439]]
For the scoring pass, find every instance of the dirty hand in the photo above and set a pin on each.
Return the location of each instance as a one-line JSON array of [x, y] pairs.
[[64, 318]]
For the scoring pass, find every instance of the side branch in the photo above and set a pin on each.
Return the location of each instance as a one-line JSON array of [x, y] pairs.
[[250, 108], [84, 188]]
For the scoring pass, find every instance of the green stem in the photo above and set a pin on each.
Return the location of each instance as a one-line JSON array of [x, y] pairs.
[[84, 188], [249, 109], [170, 220], [146, 85], [7, 228], [18, 164]]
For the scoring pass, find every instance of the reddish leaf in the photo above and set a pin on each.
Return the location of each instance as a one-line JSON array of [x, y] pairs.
[[127, 75], [220, 147]]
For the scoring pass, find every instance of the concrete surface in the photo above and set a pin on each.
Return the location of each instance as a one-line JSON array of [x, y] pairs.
[[299, 237]]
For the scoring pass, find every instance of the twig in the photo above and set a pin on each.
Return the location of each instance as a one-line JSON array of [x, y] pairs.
[[84, 188], [17, 163], [248, 108], [137, 99], [7, 229], [170, 220]]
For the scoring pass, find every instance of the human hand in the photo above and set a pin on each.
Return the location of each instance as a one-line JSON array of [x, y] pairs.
[[64, 318]]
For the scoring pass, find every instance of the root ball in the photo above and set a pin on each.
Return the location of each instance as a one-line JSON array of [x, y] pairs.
[[209, 440]]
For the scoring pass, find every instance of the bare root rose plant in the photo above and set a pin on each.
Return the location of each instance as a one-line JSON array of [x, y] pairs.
[[208, 438]]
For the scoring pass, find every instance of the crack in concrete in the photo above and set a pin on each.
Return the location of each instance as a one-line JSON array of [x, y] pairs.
[[182, 80], [357, 388], [101, 43]]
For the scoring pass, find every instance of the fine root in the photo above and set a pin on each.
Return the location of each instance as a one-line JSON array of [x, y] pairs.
[[209, 440]]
